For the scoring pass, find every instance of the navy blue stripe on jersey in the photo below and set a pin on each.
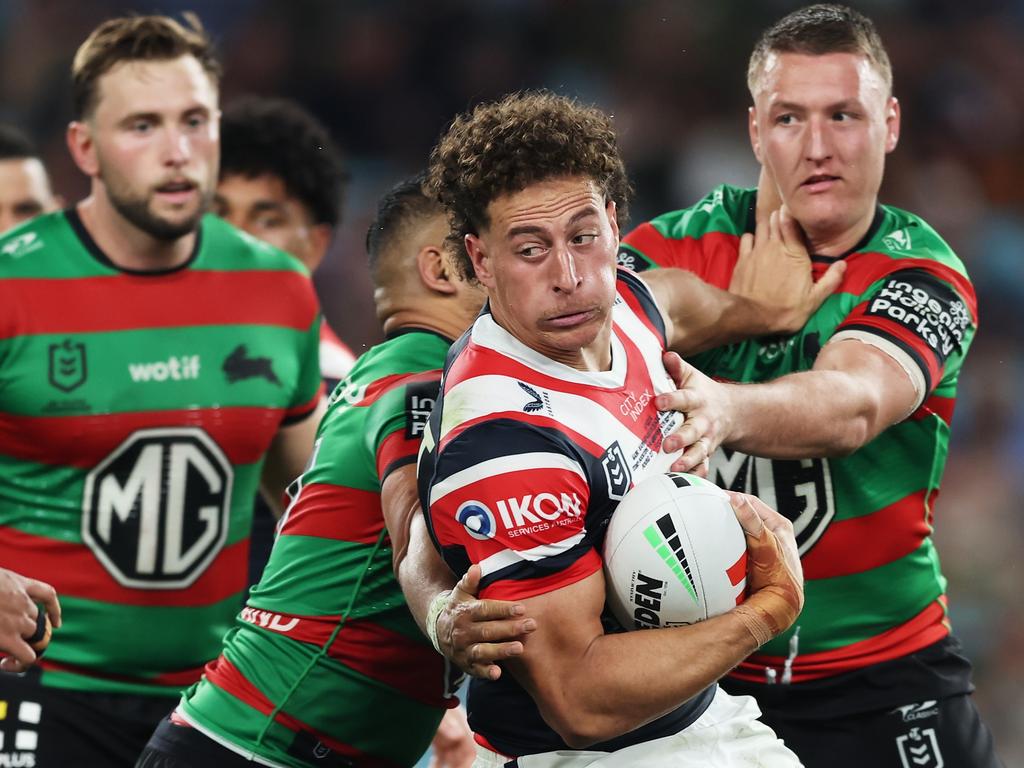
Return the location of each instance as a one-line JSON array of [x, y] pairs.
[[643, 294]]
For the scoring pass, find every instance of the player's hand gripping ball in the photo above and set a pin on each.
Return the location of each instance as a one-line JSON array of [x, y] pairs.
[[674, 553], [41, 637]]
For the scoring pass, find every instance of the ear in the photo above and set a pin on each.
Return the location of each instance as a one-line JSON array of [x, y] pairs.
[[480, 259], [755, 136], [82, 147], [613, 220], [892, 123], [319, 241], [433, 270]]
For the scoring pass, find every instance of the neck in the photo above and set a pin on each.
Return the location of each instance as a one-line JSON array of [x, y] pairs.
[[437, 316], [829, 243], [126, 245]]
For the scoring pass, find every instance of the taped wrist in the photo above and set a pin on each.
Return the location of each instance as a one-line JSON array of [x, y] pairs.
[[757, 621], [433, 612]]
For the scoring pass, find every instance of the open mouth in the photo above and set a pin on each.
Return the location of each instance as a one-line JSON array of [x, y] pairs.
[[177, 190], [819, 182]]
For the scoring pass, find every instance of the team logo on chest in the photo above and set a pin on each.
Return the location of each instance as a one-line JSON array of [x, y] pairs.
[[155, 512], [67, 369]]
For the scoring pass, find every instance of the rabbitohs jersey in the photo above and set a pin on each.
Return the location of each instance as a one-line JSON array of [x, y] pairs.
[[874, 590], [523, 464], [326, 657], [135, 412]]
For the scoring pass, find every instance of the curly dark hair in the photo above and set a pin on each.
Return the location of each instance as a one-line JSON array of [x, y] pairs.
[[278, 137], [504, 146], [817, 30]]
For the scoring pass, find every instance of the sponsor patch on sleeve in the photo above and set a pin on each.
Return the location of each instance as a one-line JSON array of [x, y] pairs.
[[925, 306], [419, 402]]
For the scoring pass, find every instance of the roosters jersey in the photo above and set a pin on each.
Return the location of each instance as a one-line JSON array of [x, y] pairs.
[[523, 463]]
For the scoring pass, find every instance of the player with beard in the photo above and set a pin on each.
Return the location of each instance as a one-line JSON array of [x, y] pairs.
[[156, 367]]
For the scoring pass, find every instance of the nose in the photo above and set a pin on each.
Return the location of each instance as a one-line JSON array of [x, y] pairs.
[[818, 142], [565, 278], [177, 148]]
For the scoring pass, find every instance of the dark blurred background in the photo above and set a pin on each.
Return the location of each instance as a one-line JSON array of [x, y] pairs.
[[386, 77]]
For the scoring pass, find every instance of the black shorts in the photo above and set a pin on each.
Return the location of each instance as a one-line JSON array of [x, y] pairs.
[[49, 727], [912, 712], [180, 746], [939, 732]]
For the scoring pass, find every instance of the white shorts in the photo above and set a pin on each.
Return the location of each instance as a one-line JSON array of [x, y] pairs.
[[727, 735]]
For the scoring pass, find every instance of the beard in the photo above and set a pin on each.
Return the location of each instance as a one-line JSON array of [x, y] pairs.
[[136, 209]]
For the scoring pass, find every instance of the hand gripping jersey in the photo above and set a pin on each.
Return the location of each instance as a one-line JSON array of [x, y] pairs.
[[523, 464], [874, 590], [135, 412], [325, 657]]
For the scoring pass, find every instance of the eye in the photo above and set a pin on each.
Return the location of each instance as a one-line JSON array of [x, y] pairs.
[[786, 119], [532, 251], [196, 121], [584, 238], [141, 126], [270, 221]]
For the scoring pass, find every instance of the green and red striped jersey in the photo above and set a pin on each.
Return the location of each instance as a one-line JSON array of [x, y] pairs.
[[136, 409], [326, 657], [874, 589]]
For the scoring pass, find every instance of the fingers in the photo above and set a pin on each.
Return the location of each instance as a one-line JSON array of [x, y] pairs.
[[469, 584], [20, 655], [751, 523], [829, 282], [694, 457], [677, 368], [41, 592]]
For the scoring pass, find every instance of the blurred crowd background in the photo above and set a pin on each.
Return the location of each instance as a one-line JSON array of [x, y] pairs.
[[386, 77]]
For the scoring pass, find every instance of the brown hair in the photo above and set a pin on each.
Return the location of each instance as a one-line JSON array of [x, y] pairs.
[[817, 30], [136, 38], [504, 146]]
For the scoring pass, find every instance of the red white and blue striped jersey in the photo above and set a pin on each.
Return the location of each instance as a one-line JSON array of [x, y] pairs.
[[524, 461]]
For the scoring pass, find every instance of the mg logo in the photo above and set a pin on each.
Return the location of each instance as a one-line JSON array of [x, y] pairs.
[[155, 512], [800, 489]]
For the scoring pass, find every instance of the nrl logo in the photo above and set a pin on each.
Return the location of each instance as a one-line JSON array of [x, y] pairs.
[[67, 370]]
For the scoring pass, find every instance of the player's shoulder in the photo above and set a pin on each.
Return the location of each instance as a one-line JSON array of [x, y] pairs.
[[224, 246], [25, 249], [904, 235], [726, 209]]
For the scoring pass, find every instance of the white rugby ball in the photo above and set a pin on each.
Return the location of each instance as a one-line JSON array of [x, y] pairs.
[[674, 553]]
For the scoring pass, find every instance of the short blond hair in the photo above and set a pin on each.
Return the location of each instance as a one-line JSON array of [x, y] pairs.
[[817, 30], [136, 38]]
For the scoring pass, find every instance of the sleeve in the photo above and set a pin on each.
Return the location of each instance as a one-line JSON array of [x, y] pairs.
[[509, 496], [396, 423], [916, 317], [309, 386]]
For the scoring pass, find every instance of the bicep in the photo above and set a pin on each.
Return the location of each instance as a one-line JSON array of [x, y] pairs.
[[287, 456], [889, 383], [568, 623]]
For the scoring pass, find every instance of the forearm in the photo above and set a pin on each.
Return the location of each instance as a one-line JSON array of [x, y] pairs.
[[421, 572], [804, 415], [625, 680], [703, 316]]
